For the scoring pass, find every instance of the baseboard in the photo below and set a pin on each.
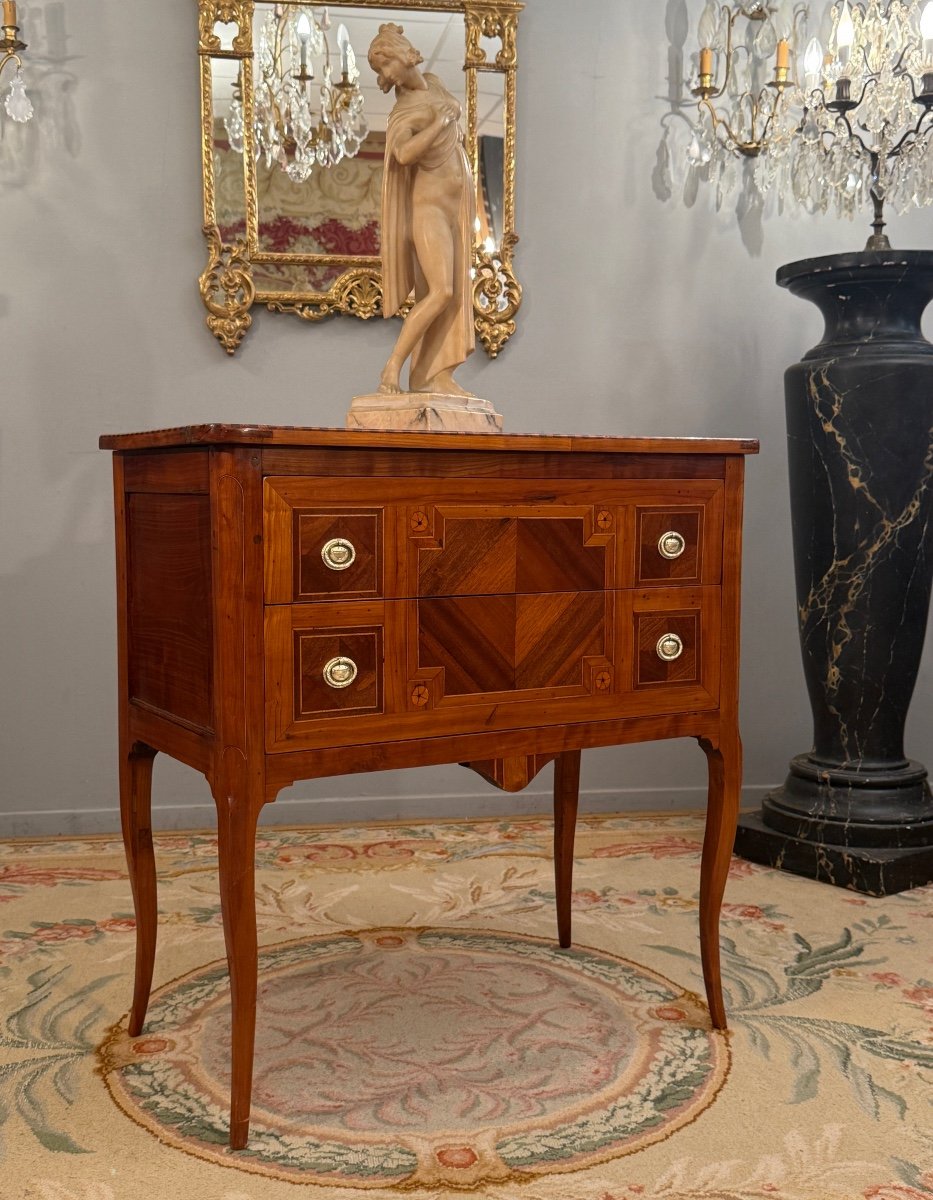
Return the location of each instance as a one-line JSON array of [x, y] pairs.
[[369, 809]]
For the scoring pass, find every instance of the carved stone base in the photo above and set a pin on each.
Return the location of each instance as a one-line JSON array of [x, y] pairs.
[[867, 869], [423, 412]]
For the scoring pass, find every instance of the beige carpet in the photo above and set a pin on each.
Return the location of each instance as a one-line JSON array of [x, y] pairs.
[[420, 1033]]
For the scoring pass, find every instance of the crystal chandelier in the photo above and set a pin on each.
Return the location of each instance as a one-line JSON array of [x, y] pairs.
[[17, 104], [829, 127], [866, 129], [286, 128]]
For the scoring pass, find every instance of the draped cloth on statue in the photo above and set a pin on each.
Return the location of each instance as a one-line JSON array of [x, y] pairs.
[[451, 338]]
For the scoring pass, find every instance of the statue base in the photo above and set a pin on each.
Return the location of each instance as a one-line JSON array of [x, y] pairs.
[[423, 412]]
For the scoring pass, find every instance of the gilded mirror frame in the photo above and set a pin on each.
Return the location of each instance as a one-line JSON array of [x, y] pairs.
[[227, 284]]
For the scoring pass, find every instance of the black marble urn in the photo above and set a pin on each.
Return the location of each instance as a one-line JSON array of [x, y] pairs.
[[854, 811]]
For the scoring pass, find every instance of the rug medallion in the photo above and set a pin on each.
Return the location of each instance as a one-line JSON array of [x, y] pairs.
[[415, 1058]]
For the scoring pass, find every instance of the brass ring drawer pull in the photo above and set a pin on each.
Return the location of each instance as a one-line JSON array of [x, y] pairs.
[[338, 554], [340, 672], [669, 647], [671, 544]]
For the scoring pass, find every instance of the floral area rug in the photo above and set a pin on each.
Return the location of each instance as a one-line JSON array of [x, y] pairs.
[[420, 1033]]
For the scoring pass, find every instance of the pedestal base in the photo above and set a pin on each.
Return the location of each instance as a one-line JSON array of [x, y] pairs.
[[423, 412], [889, 806], [867, 869]]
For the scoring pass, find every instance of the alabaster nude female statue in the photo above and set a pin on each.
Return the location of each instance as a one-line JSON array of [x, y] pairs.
[[428, 210]]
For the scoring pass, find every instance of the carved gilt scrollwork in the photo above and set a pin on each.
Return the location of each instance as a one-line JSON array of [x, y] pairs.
[[497, 295], [491, 21], [225, 12], [226, 286], [356, 293]]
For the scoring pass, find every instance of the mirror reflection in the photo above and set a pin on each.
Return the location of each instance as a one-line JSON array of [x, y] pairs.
[[298, 164]]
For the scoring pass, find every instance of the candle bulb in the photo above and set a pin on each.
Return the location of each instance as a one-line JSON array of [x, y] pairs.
[[813, 64], [9, 12], [343, 42], [303, 30], [926, 32], [845, 35]]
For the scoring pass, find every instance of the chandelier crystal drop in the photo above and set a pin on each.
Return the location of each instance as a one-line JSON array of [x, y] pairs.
[[302, 116]]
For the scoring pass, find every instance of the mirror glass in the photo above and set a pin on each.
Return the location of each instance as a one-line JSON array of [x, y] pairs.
[[306, 200], [490, 179], [229, 182]]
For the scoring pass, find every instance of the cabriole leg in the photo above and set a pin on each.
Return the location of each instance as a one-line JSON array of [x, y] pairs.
[[725, 782], [136, 819]]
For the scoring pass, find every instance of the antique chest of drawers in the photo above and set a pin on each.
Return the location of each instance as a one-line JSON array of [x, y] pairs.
[[296, 603]]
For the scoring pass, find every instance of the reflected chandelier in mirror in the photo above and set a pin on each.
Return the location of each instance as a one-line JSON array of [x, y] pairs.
[[293, 141]]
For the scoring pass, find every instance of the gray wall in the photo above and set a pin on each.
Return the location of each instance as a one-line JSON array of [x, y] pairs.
[[639, 318]]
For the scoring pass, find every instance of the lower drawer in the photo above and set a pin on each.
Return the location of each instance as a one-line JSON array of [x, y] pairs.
[[353, 673]]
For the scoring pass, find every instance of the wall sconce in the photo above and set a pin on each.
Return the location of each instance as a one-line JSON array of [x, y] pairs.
[[17, 104], [742, 80]]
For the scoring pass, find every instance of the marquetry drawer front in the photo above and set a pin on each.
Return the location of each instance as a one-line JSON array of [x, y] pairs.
[[457, 550], [321, 551], [677, 544], [337, 672], [668, 648], [676, 639], [512, 646], [361, 673], [337, 554], [404, 538]]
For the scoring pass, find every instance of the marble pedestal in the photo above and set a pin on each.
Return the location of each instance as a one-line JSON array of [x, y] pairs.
[[423, 412], [854, 811]]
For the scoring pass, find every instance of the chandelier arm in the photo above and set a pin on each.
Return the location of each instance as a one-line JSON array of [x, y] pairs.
[[717, 119], [756, 114], [772, 116], [11, 56], [912, 134], [868, 71], [853, 134], [730, 17], [871, 81], [730, 133], [913, 90]]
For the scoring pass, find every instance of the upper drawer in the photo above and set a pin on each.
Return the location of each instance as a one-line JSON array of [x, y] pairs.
[[320, 551], [407, 538], [678, 543]]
